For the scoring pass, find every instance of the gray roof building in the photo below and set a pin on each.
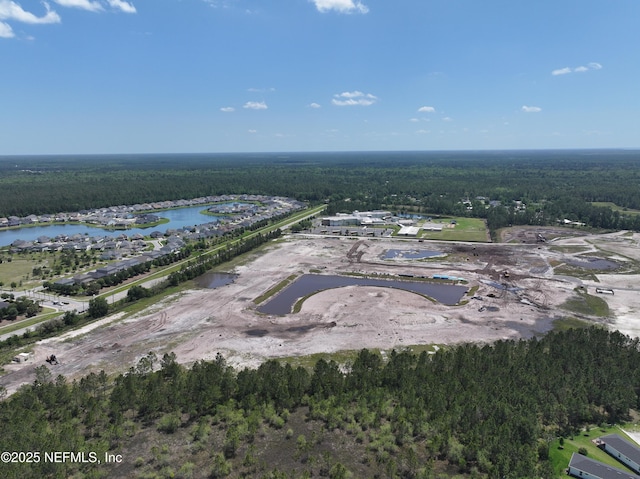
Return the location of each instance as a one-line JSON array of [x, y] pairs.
[[622, 450], [582, 467]]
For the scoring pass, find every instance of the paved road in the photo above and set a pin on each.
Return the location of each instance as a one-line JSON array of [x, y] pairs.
[[62, 304]]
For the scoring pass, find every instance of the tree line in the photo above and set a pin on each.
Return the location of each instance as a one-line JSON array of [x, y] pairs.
[[553, 184], [481, 410]]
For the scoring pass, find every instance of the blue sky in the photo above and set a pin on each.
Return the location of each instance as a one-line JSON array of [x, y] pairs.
[[146, 76]]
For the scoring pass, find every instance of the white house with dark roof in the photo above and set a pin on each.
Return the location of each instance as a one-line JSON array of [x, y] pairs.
[[622, 450], [585, 468]]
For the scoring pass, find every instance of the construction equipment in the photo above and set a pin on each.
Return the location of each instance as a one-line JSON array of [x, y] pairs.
[[52, 359]]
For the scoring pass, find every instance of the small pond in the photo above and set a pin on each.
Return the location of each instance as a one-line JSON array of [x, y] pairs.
[[215, 280], [593, 263], [312, 283], [410, 254]]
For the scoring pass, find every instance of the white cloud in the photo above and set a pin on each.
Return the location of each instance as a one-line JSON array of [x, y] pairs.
[[353, 98], [447, 118], [88, 5], [123, 6], [6, 31], [414, 120], [252, 131], [255, 105], [561, 71], [531, 109], [426, 109], [261, 90], [227, 109], [350, 94], [10, 10], [218, 3], [315, 105], [580, 69], [341, 6], [96, 6]]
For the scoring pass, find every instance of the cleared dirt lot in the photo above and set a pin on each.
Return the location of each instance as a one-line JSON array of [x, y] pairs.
[[200, 323]]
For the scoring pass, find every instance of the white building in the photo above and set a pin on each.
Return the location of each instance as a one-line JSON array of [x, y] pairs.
[[622, 450], [582, 467]]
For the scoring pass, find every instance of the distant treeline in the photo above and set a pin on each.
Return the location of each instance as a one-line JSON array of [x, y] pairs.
[[485, 410], [552, 184]]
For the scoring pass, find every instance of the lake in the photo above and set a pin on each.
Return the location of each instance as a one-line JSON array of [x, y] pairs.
[[178, 218]]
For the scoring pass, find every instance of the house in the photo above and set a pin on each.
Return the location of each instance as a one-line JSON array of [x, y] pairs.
[[622, 450], [582, 467]]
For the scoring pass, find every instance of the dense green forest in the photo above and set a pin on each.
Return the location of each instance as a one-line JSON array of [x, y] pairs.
[[478, 410], [552, 184]]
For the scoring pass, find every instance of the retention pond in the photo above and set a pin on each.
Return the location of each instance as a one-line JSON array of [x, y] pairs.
[[308, 284], [215, 280]]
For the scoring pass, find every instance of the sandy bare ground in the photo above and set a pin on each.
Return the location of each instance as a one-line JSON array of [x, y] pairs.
[[200, 323]]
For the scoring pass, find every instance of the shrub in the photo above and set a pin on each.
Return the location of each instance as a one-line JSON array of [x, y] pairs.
[[169, 423]]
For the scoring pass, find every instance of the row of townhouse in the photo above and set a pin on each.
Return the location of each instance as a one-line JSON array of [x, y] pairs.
[[85, 278], [124, 244]]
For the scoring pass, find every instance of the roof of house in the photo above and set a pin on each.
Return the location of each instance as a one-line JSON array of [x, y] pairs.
[[623, 446], [599, 469]]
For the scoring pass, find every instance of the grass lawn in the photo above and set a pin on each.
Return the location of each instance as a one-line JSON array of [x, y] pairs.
[[16, 270], [465, 229], [560, 457], [277, 288], [614, 207], [587, 304], [45, 315], [563, 324]]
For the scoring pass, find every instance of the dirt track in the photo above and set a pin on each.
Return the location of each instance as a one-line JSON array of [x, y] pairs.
[[202, 322]]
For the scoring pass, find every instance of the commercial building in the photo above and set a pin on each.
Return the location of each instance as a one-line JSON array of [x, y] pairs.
[[357, 218]]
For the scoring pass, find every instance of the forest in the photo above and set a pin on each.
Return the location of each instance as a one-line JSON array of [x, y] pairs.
[[553, 184], [470, 410], [483, 411]]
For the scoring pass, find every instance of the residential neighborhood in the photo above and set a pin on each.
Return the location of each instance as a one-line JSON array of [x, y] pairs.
[[124, 216], [122, 252]]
